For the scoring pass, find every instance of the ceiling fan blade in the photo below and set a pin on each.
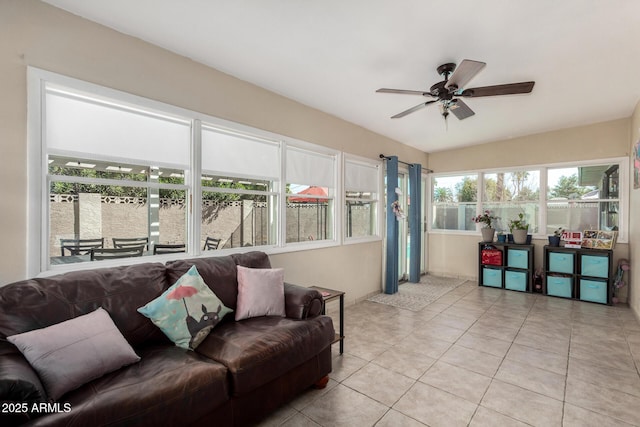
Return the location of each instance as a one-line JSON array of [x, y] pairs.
[[508, 89], [412, 109], [461, 110], [464, 73], [403, 91]]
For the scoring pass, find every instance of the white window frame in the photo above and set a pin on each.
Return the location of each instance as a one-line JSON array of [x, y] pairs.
[[623, 220], [378, 226], [336, 198], [430, 178], [38, 184]]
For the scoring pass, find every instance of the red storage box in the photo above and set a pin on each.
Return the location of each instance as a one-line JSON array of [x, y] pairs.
[[491, 257]]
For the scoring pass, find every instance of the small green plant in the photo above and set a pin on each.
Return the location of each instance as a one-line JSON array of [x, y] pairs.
[[518, 224]]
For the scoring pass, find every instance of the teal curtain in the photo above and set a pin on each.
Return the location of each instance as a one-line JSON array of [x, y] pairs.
[[391, 277], [415, 228]]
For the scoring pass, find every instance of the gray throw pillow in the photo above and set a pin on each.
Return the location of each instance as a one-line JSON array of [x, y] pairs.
[[72, 353]]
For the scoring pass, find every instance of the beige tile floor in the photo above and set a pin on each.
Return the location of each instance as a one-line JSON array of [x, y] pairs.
[[479, 357]]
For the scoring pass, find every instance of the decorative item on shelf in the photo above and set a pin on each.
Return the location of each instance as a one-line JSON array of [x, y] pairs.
[[599, 239], [519, 229], [502, 238], [572, 239], [555, 239], [487, 234], [397, 210], [487, 231]]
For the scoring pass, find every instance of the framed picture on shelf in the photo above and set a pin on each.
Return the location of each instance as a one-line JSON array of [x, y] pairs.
[[572, 239], [599, 239]]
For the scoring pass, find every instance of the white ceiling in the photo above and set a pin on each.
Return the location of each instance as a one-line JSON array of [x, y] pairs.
[[584, 56]]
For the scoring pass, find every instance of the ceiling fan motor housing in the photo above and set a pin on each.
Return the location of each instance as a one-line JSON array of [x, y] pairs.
[[442, 92]]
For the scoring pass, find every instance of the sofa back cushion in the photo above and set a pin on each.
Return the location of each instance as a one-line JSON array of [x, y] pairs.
[[254, 259], [219, 273], [41, 302]]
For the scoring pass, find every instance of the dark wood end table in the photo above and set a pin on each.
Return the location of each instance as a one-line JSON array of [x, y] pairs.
[[330, 295]]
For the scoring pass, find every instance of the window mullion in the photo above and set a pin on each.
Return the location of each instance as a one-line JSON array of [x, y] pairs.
[[543, 201], [195, 203]]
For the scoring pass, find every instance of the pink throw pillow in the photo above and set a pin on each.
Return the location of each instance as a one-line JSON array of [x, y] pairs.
[[260, 292]]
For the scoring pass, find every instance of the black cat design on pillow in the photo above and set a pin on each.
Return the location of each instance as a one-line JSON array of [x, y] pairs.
[[200, 329]]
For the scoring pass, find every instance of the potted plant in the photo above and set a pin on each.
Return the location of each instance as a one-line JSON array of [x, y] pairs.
[[555, 239], [486, 218], [519, 229]]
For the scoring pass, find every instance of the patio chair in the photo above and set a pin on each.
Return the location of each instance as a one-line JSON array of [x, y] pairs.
[[99, 254], [80, 246], [160, 249], [130, 242], [211, 244]]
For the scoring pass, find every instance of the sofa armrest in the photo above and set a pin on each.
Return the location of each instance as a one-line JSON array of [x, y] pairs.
[[18, 381], [301, 302], [19, 384]]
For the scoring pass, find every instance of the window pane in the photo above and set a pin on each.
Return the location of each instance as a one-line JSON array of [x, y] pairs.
[[235, 183], [511, 211], [80, 212], [360, 215], [508, 194], [309, 218], [583, 198], [512, 186], [89, 168], [233, 220], [454, 202]]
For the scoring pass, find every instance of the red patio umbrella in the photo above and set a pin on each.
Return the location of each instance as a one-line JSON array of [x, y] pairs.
[[310, 191]]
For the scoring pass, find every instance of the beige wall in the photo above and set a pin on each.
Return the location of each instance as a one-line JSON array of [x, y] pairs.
[[634, 225], [457, 255], [35, 34], [595, 141]]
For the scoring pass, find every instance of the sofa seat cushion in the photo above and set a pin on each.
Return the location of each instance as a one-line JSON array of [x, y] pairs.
[[169, 386], [258, 350]]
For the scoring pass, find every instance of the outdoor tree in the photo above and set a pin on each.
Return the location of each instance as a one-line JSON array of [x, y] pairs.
[[467, 190], [518, 180], [442, 195], [568, 188]]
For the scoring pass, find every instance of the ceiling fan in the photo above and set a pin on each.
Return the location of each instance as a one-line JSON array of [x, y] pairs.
[[449, 91]]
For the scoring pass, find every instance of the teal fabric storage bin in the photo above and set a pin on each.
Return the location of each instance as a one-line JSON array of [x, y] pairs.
[[594, 266], [561, 262], [517, 258], [492, 277], [559, 286], [593, 290], [515, 280]]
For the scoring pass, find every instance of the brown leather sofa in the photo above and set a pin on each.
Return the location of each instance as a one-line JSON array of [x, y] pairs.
[[241, 372]]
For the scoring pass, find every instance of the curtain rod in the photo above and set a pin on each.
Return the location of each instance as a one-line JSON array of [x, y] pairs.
[[382, 156]]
